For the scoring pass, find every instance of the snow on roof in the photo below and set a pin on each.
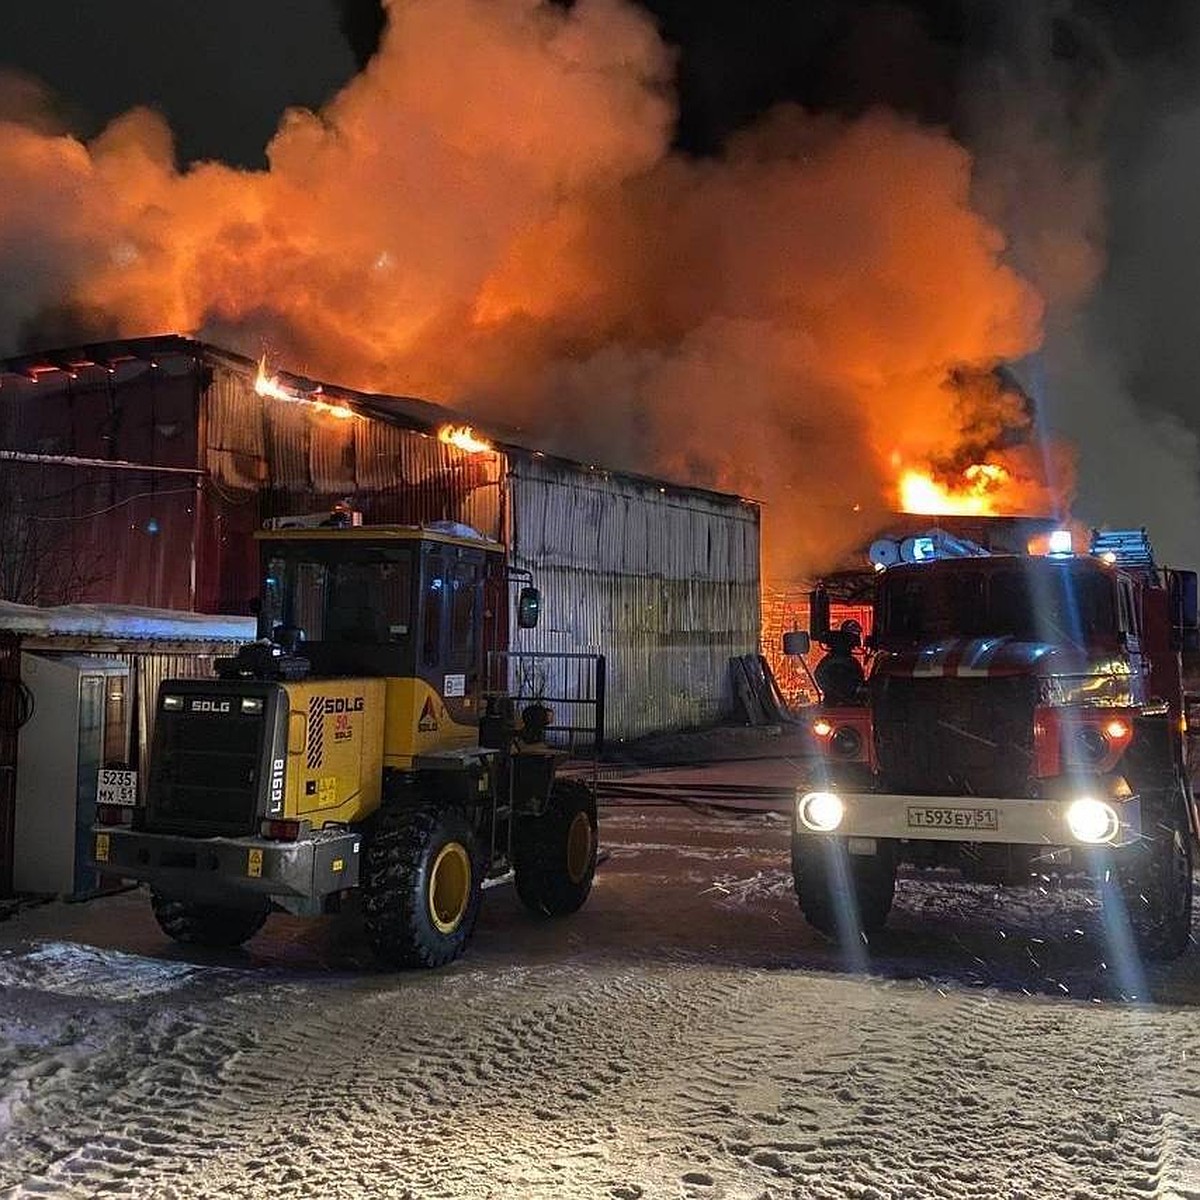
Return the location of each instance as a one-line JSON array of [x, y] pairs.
[[124, 621]]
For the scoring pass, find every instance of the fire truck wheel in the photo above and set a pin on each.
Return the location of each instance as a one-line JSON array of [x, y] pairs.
[[213, 925], [842, 893], [421, 882], [1155, 878], [554, 855]]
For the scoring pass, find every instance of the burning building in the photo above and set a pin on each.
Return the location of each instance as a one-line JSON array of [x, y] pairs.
[[135, 472]]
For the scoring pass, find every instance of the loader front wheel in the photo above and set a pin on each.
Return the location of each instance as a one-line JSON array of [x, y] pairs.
[[554, 855], [421, 886], [216, 926]]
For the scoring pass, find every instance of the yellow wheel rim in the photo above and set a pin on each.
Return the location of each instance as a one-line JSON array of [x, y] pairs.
[[449, 887], [579, 848]]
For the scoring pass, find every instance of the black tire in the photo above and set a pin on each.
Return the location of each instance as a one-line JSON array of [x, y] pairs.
[[421, 889], [217, 926], [843, 894], [554, 855], [1154, 878]]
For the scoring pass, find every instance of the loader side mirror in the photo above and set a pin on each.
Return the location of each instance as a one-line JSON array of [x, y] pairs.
[[529, 607], [797, 641]]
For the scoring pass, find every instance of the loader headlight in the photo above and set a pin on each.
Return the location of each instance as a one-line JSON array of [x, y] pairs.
[[252, 704], [1092, 821], [173, 703], [821, 811]]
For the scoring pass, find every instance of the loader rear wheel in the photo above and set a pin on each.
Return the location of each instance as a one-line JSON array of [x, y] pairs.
[[421, 886], [842, 893], [213, 925], [554, 855]]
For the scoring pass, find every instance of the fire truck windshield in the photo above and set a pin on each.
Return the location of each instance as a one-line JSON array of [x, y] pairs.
[[1032, 600]]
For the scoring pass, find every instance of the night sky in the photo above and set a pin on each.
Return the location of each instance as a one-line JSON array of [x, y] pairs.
[[224, 71]]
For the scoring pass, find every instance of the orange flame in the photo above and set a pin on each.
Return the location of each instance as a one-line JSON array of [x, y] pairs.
[[464, 437], [273, 386], [972, 494]]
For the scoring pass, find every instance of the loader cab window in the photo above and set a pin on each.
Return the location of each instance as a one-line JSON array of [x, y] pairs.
[[435, 608], [364, 598], [350, 601], [452, 612], [464, 616]]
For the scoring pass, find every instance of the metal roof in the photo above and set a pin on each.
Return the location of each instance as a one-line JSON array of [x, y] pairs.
[[407, 412]]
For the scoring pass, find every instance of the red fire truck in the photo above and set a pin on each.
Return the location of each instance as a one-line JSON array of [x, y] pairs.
[[1021, 716]]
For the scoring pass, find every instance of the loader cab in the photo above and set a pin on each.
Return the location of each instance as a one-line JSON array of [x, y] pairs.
[[407, 604]]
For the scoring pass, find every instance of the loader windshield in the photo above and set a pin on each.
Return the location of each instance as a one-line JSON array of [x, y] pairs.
[[357, 594]]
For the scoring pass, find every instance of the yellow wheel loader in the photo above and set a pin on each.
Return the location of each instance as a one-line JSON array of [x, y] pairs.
[[355, 746]]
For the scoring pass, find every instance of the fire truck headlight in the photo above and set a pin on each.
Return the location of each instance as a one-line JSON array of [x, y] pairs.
[[1092, 821], [821, 811]]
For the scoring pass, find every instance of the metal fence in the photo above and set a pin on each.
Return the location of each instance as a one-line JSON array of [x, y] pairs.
[[571, 685]]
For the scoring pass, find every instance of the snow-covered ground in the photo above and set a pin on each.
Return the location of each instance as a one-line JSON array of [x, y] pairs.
[[686, 1035]]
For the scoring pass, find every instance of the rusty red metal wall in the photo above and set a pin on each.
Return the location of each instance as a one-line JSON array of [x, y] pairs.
[[214, 460], [72, 532]]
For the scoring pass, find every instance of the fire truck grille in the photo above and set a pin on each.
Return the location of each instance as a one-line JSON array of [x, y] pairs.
[[205, 774], [951, 736]]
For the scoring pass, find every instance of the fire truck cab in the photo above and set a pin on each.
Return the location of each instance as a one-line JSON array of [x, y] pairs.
[[1023, 716]]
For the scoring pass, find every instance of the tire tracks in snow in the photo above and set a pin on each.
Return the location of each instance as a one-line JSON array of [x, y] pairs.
[[616, 1078]]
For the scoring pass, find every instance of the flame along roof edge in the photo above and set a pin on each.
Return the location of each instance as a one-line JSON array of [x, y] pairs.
[[410, 412]]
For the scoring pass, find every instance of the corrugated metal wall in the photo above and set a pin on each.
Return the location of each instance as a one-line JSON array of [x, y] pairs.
[[12, 713], [268, 457], [663, 582], [71, 533], [147, 670]]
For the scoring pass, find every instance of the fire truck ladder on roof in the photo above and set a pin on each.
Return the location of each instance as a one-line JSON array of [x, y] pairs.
[[1128, 547]]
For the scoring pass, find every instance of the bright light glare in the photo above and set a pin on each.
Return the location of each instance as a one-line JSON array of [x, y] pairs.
[[822, 811], [1117, 730], [1060, 541], [822, 728], [1092, 821]]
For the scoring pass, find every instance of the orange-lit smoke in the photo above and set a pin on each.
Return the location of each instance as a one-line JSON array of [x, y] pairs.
[[490, 216]]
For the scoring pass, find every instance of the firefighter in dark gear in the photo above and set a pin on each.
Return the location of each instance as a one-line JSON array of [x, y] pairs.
[[839, 674]]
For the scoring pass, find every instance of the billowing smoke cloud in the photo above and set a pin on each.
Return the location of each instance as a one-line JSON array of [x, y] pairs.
[[490, 215], [1099, 218]]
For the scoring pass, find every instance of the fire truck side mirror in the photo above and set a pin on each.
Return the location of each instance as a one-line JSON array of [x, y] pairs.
[[529, 607], [797, 641], [1185, 611], [818, 609]]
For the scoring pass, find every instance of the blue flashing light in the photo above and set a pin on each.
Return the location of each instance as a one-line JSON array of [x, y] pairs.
[[1060, 542]]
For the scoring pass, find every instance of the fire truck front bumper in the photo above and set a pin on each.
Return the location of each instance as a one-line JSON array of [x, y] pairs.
[[297, 876], [1077, 818]]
